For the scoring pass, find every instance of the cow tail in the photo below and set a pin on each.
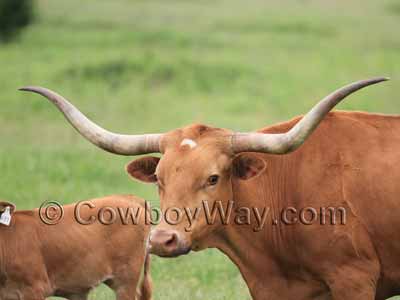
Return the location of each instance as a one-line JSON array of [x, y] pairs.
[[145, 290]]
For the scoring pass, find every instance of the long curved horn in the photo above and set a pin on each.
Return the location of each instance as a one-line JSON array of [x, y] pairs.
[[115, 143], [294, 138]]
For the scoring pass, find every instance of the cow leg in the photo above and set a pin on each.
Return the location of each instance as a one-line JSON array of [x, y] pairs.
[[350, 284], [353, 290]]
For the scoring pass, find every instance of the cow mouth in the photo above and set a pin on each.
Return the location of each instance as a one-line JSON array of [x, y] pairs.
[[173, 253]]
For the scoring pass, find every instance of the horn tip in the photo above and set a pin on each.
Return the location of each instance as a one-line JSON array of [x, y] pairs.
[[380, 79], [26, 88], [34, 89], [373, 80]]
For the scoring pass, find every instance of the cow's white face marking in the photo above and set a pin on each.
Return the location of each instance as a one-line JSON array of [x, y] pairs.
[[188, 142]]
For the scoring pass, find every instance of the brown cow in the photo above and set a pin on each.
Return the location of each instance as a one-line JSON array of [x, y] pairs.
[[69, 259], [349, 161]]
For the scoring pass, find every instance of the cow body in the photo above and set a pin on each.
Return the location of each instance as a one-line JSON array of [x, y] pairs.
[[69, 259], [343, 160], [350, 161]]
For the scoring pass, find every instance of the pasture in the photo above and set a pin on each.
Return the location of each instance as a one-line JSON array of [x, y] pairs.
[[151, 66]]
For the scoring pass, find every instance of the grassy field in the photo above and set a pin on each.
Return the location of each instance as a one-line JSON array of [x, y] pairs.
[[140, 66]]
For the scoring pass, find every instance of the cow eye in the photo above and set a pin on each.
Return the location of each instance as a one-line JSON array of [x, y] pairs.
[[212, 180]]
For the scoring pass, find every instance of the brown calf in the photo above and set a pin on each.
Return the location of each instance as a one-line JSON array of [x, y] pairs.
[[69, 259]]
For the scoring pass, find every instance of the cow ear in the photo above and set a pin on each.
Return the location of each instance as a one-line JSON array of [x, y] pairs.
[[246, 166], [143, 168]]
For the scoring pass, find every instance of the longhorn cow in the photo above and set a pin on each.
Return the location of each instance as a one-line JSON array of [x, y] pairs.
[[343, 159]]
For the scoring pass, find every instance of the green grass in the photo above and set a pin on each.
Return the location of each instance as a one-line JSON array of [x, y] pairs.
[[140, 66]]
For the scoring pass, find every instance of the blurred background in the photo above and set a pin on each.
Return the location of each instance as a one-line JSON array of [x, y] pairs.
[[154, 65]]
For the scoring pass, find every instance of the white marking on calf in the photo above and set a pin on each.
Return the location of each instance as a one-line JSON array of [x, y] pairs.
[[192, 144], [147, 245]]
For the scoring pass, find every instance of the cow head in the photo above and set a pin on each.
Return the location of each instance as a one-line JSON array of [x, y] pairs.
[[198, 163], [196, 169]]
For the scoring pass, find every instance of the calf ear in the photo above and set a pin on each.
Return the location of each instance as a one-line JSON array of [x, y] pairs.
[[247, 165], [143, 168]]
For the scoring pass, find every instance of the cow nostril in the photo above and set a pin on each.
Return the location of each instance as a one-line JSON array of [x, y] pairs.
[[172, 241]]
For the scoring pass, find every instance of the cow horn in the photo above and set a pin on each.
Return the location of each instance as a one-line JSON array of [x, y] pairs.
[[109, 141], [287, 142]]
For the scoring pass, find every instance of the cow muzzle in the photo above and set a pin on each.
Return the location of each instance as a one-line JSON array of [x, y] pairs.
[[167, 243]]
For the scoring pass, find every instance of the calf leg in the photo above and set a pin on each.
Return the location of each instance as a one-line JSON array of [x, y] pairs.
[[126, 293], [125, 282], [82, 296], [33, 294]]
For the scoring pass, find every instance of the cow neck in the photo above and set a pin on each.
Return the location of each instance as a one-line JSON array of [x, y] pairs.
[[258, 254]]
